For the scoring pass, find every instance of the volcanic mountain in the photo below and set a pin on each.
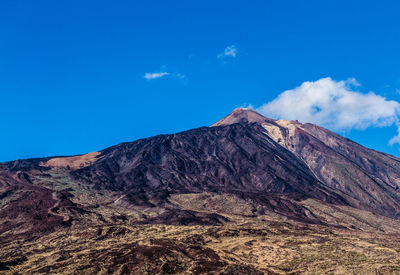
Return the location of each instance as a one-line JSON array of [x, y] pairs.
[[244, 166]]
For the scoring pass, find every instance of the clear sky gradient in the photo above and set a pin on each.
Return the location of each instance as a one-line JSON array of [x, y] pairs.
[[72, 72]]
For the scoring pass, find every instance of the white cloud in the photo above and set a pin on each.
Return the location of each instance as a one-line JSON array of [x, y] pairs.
[[335, 105], [181, 77], [230, 51], [150, 76]]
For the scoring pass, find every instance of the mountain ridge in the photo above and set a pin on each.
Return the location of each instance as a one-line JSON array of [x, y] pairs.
[[246, 176], [303, 141]]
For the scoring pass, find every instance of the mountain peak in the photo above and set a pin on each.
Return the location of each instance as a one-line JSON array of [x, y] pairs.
[[242, 115]]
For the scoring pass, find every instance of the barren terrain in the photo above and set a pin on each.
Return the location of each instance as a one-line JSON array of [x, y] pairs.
[[250, 195]]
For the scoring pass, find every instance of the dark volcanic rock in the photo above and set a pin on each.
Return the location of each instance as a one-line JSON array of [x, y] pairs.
[[187, 217], [236, 159], [272, 165]]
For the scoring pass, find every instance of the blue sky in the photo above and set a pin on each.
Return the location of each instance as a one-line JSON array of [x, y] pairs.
[[72, 73]]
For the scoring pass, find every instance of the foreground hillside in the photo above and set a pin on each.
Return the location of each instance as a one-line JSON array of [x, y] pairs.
[[249, 195], [248, 246]]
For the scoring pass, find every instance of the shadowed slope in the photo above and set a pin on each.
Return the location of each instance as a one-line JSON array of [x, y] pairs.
[[236, 159]]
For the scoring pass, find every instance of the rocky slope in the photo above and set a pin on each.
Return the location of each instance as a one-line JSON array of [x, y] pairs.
[[259, 158], [243, 168]]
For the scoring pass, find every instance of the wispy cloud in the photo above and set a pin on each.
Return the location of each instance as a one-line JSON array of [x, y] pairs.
[[179, 76], [336, 105], [150, 76], [230, 51]]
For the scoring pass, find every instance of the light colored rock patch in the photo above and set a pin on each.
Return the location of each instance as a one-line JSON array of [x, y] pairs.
[[74, 162], [290, 125], [274, 132], [241, 113], [282, 133]]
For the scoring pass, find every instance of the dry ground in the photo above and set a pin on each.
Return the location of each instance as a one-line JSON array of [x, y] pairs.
[[262, 246]]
